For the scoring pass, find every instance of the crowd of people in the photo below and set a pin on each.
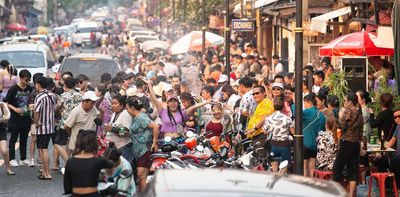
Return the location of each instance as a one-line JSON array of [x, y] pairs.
[[162, 95]]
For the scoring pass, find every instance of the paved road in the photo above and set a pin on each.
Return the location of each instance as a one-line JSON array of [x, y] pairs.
[[26, 183]]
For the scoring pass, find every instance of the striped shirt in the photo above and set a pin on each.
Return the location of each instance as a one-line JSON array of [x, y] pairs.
[[45, 105]]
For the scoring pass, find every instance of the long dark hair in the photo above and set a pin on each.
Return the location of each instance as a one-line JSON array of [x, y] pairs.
[[8, 66], [171, 116]]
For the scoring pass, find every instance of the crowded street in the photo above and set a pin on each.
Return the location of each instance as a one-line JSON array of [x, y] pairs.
[[106, 98]]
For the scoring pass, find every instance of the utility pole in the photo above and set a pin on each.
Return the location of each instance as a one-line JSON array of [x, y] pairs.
[[298, 137], [227, 40], [173, 10], [203, 40]]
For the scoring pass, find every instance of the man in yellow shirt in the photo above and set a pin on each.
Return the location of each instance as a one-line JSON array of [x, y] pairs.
[[265, 107]]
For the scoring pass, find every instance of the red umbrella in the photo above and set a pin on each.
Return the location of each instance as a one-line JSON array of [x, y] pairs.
[[355, 44], [16, 27]]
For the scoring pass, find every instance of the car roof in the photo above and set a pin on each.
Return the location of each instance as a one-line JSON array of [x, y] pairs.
[[24, 47], [241, 182], [91, 55], [145, 36]]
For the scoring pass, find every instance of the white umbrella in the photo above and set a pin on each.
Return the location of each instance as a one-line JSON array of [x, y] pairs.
[[193, 42], [155, 44]]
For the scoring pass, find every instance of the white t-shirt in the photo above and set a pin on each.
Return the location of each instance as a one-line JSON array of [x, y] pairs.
[[232, 100], [123, 120], [79, 119], [278, 68]]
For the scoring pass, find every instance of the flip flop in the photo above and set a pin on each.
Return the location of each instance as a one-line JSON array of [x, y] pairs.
[[41, 177], [10, 173]]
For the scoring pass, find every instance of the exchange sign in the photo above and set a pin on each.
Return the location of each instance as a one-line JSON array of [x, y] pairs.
[[243, 25]]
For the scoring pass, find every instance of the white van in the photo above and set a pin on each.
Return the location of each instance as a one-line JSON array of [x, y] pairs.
[[84, 30], [33, 56]]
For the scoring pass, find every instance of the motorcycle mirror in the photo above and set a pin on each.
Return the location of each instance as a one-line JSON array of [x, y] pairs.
[[200, 148], [239, 127], [189, 134], [283, 164], [167, 139]]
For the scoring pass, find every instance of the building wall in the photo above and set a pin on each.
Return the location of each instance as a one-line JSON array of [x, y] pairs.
[[42, 5]]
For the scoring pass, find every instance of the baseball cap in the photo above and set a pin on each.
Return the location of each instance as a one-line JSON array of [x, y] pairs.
[[172, 97], [222, 79], [168, 87], [90, 95], [279, 85]]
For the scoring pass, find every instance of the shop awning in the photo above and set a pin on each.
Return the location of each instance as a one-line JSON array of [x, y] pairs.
[[320, 23], [261, 3]]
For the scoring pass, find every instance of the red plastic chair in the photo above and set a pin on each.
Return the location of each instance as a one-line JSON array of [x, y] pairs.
[[323, 174], [381, 177]]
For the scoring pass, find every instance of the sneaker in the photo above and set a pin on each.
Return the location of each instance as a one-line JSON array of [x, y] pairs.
[[32, 163], [14, 163], [26, 162]]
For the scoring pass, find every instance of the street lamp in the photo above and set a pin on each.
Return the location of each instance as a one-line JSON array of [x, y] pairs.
[[298, 137]]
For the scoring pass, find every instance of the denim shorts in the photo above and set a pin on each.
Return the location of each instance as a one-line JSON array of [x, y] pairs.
[[281, 153]]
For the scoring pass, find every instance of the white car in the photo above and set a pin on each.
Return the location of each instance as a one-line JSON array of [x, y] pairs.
[[84, 30], [33, 56], [237, 183], [141, 33], [142, 38]]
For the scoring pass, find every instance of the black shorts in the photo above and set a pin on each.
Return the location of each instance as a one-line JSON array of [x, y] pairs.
[[78, 45], [3, 134], [308, 153], [43, 140], [61, 137]]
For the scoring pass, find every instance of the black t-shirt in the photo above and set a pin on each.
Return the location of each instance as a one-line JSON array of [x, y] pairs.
[[19, 98], [80, 172]]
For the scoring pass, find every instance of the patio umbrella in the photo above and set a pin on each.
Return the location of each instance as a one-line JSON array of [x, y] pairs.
[[39, 30], [193, 42], [155, 44], [355, 44], [396, 37], [16, 27]]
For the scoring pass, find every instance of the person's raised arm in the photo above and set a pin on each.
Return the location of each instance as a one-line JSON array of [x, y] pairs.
[[153, 96], [194, 107]]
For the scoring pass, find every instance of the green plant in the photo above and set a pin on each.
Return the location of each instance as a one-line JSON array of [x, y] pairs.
[[337, 85]]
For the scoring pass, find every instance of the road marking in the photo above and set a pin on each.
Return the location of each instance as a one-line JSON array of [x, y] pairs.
[[16, 148]]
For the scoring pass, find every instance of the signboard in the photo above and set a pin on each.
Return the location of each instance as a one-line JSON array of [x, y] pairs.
[[243, 25]]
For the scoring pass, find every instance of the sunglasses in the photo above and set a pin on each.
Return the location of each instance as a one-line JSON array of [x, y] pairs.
[[395, 117], [256, 93]]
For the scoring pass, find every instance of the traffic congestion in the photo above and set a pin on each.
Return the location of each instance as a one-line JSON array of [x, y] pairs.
[[114, 104]]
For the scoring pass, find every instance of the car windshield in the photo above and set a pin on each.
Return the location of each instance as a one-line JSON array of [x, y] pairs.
[[91, 67], [142, 39], [24, 59], [87, 29], [61, 31]]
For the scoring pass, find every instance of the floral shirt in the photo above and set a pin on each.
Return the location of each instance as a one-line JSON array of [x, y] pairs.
[[68, 100], [327, 149], [141, 135], [105, 107], [351, 123]]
